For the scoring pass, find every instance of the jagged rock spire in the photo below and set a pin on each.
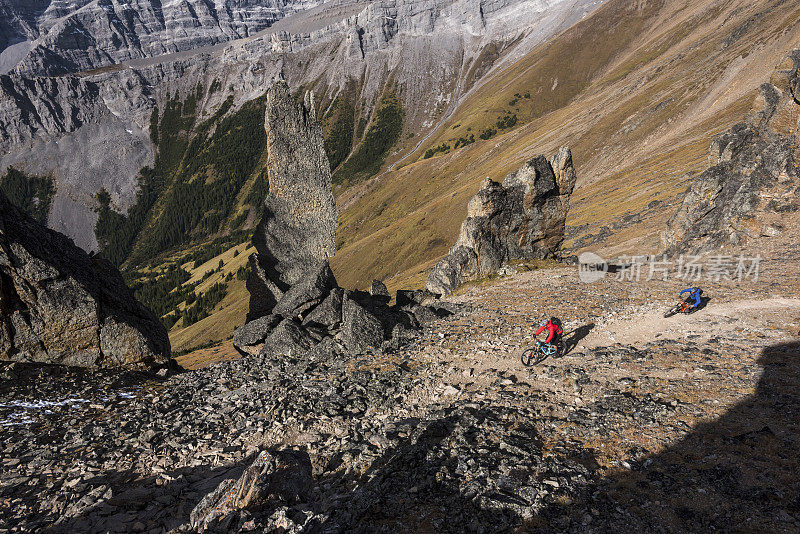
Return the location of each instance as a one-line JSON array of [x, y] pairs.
[[296, 306], [299, 223]]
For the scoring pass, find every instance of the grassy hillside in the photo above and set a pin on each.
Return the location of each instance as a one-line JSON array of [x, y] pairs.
[[548, 78], [382, 132], [207, 181], [643, 94]]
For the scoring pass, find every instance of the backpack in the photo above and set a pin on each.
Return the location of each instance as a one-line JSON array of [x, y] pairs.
[[557, 322]]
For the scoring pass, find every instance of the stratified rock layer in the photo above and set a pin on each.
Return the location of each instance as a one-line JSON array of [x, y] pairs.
[[61, 306], [753, 169], [520, 219]]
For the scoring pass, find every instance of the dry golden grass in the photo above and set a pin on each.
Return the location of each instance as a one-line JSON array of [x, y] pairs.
[[231, 262], [208, 356], [674, 77], [228, 314]]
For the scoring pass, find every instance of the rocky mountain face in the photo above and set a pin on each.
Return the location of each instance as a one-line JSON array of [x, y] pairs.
[[296, 306], [520, 219], [61, 306], [344, 50], [754, 170], [78, 35]]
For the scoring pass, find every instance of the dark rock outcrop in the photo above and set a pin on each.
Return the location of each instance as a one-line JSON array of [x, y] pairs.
[[61, 306], [273, 479], [753, 168], [296, 306], [520, 219]]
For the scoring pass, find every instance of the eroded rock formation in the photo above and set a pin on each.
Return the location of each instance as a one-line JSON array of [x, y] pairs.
[[753, 170], [61, 306], [520, 219], [298, 228], [296, 306]]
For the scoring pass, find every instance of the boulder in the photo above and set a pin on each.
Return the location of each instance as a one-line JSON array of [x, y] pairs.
[[329, 312], [521, 219], [308, 292], [273, 480], [452, 270], [362, 330], [249, 339], [295, 302], [59, 305], [379, 292], [410, 297], [287, 339], [722, 204]]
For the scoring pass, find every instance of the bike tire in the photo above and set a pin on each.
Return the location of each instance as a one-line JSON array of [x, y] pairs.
[[527, 357], [672, 311], [532, 357]]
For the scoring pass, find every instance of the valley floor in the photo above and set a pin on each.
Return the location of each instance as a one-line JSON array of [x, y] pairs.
[[647, 424]]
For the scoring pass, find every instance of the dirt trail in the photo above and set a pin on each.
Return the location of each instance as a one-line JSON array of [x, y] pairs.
[[712, 321]]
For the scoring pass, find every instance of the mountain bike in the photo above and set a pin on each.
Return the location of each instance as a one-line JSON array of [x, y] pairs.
[[540, 351], [681, 307]]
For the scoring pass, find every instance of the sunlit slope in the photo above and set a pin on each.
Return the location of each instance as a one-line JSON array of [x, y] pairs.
[[656, 81], [229, 313], [639, 123]]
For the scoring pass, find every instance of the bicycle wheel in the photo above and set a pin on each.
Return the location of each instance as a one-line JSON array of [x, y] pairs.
[[532, 356], [527, 357], [672, 311]]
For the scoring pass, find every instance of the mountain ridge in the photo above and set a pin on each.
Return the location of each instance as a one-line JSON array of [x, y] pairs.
[[117, 102]]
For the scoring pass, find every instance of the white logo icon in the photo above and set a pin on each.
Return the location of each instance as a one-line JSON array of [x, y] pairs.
[[591, 267]]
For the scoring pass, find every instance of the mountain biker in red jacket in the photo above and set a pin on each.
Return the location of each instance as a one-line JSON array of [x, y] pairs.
[[554, 330]]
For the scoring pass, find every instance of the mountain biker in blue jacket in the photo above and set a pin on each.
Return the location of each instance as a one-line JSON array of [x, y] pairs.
[[694, 296]]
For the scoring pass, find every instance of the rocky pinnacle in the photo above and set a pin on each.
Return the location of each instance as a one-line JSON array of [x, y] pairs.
[[296, 306], [753, 171], [520, 219], [298, 227]]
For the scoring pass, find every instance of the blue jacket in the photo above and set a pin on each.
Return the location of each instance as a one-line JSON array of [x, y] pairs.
[[694, 293]]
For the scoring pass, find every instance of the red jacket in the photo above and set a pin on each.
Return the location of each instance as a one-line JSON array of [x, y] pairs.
[[552, 330]]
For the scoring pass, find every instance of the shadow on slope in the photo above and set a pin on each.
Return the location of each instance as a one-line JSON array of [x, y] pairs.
[[576, 336], [469, 469], [737, 473]]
